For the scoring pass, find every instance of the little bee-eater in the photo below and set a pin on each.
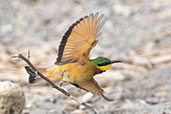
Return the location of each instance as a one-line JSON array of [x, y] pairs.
[[73, 63]]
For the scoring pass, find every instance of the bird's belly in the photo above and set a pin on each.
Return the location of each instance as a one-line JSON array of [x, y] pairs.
[[73, 72], [80, 73]]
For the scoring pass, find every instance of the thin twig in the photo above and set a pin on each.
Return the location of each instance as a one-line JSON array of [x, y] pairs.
[[28, 54], [53, 85]]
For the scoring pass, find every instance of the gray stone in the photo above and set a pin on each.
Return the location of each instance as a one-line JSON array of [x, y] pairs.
[[12, 99]]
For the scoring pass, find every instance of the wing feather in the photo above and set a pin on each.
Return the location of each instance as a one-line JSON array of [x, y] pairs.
[[79, 39], [92, 86]]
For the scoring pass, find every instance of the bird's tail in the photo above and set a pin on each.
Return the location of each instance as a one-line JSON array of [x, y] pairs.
[[33, 77], [52, 73]]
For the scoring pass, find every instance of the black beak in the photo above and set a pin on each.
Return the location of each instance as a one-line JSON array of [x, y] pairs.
[[117, 61]]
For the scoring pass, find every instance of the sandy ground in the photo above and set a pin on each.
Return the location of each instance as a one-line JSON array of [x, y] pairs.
[[137, 32]]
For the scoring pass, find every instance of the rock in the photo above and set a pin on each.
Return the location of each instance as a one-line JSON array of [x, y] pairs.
[[87, 97], [12, 99], [78, 111]]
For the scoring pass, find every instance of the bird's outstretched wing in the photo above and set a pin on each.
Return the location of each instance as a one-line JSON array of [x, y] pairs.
[[79, 39], [92, 86]]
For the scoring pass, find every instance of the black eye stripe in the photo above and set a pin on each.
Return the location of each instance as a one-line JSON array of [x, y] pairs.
[[104, 64]]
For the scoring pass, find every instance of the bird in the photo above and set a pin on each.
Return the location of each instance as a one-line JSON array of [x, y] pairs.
[[73, 64]]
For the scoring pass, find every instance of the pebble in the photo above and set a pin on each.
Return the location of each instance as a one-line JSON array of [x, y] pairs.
[[12, 99], [87, 97], [78, 112]]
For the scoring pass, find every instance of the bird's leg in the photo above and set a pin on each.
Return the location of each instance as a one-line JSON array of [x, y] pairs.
[[65, 78], [60, 84]]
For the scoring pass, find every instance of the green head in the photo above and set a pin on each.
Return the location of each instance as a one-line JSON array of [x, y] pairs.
[[103, 63]]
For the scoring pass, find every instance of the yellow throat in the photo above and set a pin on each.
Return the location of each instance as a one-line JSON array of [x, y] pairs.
[[104, 68]]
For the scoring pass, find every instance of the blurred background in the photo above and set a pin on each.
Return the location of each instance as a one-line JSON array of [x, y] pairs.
[[137, 32]]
